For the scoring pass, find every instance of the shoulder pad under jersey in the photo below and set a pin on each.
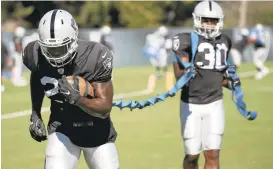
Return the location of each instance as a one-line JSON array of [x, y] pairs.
[[181, 41], [30, 55]]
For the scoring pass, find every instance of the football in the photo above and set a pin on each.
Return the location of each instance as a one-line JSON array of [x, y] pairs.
[[85, 88]]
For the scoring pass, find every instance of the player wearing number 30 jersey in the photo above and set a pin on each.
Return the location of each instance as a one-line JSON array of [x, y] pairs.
[[202, 109]]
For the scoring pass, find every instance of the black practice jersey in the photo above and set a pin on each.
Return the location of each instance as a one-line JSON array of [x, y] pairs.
[[206, 87], [93, 62]]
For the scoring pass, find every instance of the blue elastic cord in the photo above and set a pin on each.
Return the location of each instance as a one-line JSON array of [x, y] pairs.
[[190, 73], [151, 101], [237, 95]]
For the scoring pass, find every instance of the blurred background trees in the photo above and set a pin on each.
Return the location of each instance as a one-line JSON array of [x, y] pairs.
[[131, 14]]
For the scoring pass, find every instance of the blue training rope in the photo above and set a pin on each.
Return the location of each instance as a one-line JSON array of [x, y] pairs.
[[190, 73], [237, 94]]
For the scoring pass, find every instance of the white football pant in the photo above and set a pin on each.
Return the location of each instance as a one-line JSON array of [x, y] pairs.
[[259, 57], [17, 78], [202, 126], [161, 59], [61, 153]]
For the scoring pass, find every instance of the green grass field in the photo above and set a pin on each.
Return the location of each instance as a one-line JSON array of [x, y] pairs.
[[150, 138]]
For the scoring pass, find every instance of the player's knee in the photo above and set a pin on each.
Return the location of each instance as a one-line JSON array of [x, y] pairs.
[[212, 155], [191, 159]]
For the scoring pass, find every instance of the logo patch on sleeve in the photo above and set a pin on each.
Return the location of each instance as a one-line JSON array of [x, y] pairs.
[[176, 44], [107, 63]]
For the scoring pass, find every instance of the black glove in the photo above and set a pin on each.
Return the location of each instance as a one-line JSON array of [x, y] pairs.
[[71, 94], [236, 81], [37, 128]]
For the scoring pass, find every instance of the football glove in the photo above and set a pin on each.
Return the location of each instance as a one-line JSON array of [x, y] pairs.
[[236, 81], [70, 94], [37, 128]]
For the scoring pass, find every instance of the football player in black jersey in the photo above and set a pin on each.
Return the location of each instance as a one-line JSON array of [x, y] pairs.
[[76, 123], [202, 108]]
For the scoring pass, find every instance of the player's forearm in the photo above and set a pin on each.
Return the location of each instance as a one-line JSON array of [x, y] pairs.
[[37, 94], [101, 106], [226, 84], [179, 74]]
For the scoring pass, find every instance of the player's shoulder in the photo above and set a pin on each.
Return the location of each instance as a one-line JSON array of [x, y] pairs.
[[91, 50], [89, 54], [226, 39], [30, 55], [182, 36], [181, 41]]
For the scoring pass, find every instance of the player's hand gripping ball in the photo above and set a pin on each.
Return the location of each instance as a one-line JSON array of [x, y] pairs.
[[73, 87], [82, 85]]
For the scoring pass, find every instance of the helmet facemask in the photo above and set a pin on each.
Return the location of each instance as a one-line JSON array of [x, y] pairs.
[[209, 27], [59, 53]]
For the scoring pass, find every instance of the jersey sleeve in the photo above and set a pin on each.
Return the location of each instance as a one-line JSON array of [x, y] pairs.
[[229, 45], [30, 59], [104, 66], [181, 45]]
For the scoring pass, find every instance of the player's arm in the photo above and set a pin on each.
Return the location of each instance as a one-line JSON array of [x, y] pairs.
[[37, 94], [225, 82], [229, 82], [102, 83], [36, 89], [101, 105], [179, 69], [37, 128], [181, 49]]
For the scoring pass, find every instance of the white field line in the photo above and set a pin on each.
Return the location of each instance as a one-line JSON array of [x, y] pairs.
[[117, 96], [46, 109]]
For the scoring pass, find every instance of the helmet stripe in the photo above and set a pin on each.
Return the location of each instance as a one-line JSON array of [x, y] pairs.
[[52, 34], [210, 6]]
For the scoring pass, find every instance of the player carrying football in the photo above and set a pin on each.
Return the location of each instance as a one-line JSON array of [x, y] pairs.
[[202, 108], [76, 123]]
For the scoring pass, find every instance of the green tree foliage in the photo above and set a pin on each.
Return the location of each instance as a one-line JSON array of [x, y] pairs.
[[132, 14], [12, 10], [260, 12]]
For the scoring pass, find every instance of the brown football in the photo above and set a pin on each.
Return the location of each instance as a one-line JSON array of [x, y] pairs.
[[83, 86]]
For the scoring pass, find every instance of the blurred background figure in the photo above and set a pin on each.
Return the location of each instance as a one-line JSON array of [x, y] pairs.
[[16, 78], [5, 61], [156, 46], [103, 36], [257, 36], [27, 39], [236, 52]]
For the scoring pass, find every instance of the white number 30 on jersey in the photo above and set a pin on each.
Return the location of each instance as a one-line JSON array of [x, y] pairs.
[[216, 58]]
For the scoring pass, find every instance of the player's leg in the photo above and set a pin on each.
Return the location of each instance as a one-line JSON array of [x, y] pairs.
[[17, 78], [61, 153], [163, 57], [3, 62], [102, 157], [258, 56], [191, 133], [212, 131], [236, 57], [154, 63]]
